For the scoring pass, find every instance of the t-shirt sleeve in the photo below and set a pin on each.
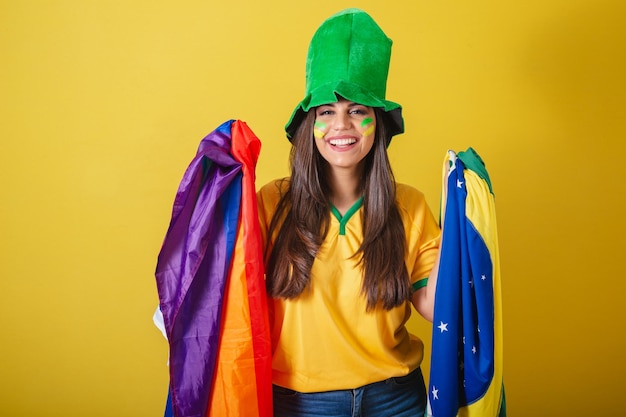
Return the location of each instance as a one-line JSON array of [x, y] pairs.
[[267, 199], [423, 234]]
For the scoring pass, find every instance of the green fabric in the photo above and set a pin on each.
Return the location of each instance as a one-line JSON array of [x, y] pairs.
[[348, 57], [419, 284], [502, 412], [474, 162]]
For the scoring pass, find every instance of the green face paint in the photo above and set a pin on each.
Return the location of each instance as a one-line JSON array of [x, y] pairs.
[[370, 129], [318, 130]]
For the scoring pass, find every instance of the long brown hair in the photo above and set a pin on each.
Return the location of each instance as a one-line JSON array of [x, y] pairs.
[[303, 214]]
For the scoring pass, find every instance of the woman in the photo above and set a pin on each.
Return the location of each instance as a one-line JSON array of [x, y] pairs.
[[348, 250]]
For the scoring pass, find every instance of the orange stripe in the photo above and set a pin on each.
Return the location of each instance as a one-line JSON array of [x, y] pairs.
[[234, 386]]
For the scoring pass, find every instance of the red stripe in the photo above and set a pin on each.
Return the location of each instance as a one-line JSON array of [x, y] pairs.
[[245, 149]]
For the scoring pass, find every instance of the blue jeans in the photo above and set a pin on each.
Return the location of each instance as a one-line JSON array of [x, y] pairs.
[[394, 397]]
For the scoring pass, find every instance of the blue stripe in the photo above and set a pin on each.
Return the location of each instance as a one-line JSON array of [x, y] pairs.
[[231, 206]]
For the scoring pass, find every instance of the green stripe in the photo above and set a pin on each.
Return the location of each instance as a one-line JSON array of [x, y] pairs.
[[343, 220], [419, 284]]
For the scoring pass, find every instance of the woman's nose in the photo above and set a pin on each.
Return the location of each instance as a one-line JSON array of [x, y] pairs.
[[342, 121]]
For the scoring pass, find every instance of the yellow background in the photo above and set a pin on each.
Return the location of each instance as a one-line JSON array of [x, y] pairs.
[[104, 103]]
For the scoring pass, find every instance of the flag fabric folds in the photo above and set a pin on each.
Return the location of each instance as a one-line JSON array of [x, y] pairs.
[[210, 282], [466, 376]]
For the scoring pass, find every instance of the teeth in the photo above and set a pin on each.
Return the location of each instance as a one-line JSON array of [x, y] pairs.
[[342, 142]]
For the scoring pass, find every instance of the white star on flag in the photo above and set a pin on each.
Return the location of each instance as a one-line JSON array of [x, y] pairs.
[[474, 349], [435, 393], [443, 327], [483, 277], [459, 184]]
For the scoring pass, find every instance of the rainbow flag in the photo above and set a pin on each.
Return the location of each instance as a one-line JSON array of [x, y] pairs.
[[466, 377], [211, 287]]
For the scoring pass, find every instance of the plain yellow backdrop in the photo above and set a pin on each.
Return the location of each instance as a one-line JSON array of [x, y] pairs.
[[104, 103]]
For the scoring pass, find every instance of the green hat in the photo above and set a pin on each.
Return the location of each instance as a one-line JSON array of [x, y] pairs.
[[349, 57]]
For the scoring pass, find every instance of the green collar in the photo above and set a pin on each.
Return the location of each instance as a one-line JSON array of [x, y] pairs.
[[343, 220]]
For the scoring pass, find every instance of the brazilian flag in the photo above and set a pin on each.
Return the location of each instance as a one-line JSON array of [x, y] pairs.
[[466, 377]]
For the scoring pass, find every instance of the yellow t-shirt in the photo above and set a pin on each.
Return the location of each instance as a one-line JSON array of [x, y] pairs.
[[324, 339]]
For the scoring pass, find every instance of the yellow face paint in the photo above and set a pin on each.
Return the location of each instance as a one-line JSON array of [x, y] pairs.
[[369, 121], [318, 130]]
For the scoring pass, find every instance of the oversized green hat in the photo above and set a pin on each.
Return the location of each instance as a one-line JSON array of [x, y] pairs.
[[349, 57]]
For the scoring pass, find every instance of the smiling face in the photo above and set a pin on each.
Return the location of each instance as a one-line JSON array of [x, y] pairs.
[[344, 133]]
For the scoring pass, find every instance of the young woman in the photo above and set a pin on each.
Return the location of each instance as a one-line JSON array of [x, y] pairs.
[[348, 250]]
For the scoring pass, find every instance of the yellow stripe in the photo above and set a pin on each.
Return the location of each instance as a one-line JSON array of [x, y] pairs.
[[318, 134], [480, 210], [370, 130]]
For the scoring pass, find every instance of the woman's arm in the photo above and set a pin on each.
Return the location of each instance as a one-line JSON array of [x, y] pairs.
[[424, 299]]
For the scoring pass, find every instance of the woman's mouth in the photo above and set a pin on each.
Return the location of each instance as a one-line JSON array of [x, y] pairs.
[[342, 141]]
